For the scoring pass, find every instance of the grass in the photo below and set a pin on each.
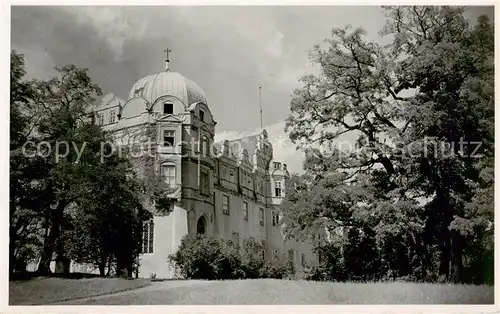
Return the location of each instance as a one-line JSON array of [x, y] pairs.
[[51, 290], [268, 291]]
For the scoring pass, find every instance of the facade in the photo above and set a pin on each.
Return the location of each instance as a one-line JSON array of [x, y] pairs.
[[230, 190]]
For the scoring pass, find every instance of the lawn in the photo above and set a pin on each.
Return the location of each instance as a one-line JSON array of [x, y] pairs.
[[268, 291], [38, 291]]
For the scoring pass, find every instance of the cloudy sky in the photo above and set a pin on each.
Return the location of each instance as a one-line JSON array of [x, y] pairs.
[[228, 51]]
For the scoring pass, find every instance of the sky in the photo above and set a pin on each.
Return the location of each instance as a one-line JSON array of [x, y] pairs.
[[228, 51]]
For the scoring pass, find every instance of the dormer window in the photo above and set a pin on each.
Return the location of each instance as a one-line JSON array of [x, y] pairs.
[[168, 108], [138, 92], [202, 115], [277, 165]]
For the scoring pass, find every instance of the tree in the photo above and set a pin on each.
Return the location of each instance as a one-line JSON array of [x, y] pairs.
[[108, 211], [62, 105], [28, 197], [409, 104]]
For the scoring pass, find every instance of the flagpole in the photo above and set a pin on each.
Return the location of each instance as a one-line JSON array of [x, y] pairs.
[[260, 104]]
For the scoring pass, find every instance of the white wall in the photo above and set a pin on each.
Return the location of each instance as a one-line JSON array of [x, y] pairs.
[[168, 232]]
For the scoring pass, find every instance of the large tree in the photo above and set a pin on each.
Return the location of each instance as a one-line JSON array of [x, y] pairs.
[[409, 104], [70, 197]]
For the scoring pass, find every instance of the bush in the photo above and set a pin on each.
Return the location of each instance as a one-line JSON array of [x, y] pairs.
[[273, 270], [331, 267], [199, 257]]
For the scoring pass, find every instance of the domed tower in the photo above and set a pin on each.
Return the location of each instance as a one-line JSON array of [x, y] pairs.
[[170, 112]]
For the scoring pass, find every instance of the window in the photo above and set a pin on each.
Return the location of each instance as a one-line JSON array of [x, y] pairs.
[[261, 216], [236, 238], [138, 92], [276, 254], [204, 146], [204, 188], [290, 255], [263, 252], [303, 260], [201, 225], [277, 165], [261, 186], [231, 173], [225, 204], [168, 108], [249, 180], [168, 172], [202, 115], [277, 188], [224, 172], [245, 210], [276, 218], [168, 138], [148, 237], [112, 115], [100, 119]]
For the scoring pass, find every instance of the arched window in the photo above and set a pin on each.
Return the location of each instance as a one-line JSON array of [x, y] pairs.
[[202, 115], [201, 225]]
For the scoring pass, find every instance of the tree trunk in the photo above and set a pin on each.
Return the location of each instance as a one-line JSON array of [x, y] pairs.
[[102, 268], [12, 249], [444, 263], [62, 265], [110, 261], [50, 241], [456, 256]]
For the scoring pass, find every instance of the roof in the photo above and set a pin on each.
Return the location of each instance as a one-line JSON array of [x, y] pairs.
[[167, 83]]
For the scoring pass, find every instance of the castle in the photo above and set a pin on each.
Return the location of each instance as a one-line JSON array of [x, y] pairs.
[[230, 190]]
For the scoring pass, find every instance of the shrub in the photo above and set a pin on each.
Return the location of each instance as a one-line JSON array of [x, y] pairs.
[[331, 266], [273, 270], [199, 257]]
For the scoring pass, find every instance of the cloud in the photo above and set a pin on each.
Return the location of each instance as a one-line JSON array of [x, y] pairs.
[[275, 46], [39, 64], [112, 26]]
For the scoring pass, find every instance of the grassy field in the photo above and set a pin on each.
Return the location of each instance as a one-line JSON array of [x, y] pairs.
[[50, 290], [268, 291]]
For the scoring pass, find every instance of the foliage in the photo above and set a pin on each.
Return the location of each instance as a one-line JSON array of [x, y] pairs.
[[413, 191], [65, 200], [109, 212], [254, 266], [200, 257]]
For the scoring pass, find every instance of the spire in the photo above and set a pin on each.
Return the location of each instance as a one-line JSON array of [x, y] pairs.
[[167, 59], [260, 104]]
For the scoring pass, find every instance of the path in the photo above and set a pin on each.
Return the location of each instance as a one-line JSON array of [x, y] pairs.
[[141, 293]]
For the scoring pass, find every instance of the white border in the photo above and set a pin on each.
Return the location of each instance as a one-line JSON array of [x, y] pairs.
[[4, 195]]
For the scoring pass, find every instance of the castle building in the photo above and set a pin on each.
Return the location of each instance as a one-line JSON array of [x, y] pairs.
[[230, 190]]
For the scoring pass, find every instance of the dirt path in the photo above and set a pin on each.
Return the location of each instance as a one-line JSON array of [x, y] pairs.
[[153, 287]]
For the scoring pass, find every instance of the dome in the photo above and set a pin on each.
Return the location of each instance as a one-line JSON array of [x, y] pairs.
[[167, 83]]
